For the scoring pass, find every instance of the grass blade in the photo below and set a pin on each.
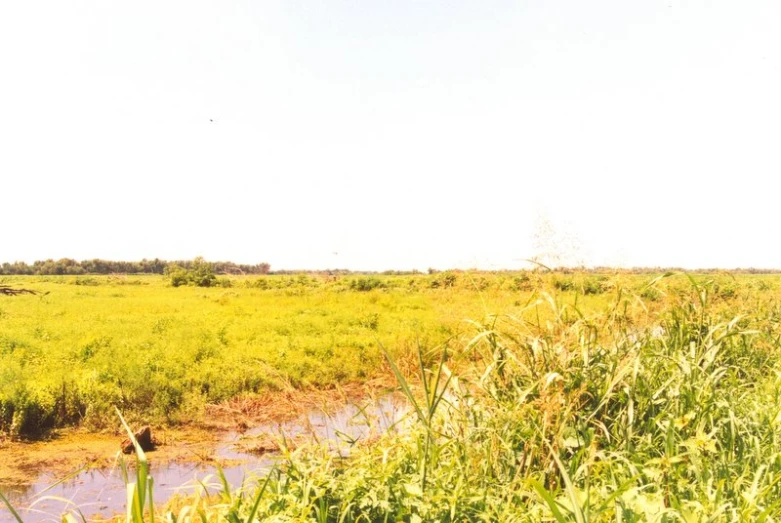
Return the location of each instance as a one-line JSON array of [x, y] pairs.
[[14, 513]]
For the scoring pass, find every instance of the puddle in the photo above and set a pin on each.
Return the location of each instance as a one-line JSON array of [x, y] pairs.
[[342, 429], [101, 492]]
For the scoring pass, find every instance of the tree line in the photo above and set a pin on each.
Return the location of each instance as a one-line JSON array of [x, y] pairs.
[[65, 266]]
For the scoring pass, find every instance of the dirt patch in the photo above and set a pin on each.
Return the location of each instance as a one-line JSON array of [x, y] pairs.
[[68, 450]]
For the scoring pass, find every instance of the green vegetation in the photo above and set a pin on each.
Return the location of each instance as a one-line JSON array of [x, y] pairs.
[[200, 274], [68, 266], [88, 343], [625, 413], [590, 398]]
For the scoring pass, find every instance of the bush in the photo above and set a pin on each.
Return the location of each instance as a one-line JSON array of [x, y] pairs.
[[445, 280], [521, 283], [367, 284], [200, 274], [91, 282], [177, 276], [563, 284], [595, 286]]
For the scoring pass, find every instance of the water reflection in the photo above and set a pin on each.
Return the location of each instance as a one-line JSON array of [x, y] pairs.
[[101, 492]]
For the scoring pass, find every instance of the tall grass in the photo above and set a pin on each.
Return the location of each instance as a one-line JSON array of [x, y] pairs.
[[577, 417], [664, 404]]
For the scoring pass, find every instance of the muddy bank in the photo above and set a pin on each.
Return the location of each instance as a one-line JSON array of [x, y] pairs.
[[242, 444]]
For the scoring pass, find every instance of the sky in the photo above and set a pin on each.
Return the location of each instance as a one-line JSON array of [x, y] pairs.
[[392, 134]]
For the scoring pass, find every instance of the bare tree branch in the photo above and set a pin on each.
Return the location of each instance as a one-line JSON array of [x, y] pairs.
[[8, 291]]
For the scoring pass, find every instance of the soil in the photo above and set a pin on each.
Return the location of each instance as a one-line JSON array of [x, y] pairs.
[[69, 450]]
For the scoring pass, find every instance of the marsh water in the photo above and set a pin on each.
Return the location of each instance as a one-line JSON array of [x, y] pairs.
[[98, 493]]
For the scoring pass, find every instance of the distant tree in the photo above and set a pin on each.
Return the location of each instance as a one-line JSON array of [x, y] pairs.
[[65, 266]]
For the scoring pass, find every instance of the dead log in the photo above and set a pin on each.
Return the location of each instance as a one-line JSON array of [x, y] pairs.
[[10, 291]]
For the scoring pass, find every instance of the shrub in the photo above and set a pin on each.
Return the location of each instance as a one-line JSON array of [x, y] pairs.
[[521, 282], [444, 280], [367, 284], [177, 275], [564, 284], [370, 321], [200, 274], [595, 286]]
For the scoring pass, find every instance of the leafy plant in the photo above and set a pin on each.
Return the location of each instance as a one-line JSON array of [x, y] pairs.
[[200, 274]]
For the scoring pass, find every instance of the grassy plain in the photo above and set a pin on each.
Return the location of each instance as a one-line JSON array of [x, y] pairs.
[[567, 397], [163, 353]]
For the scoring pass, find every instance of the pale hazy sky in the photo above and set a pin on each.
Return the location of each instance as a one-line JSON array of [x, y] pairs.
[[391, 134]]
